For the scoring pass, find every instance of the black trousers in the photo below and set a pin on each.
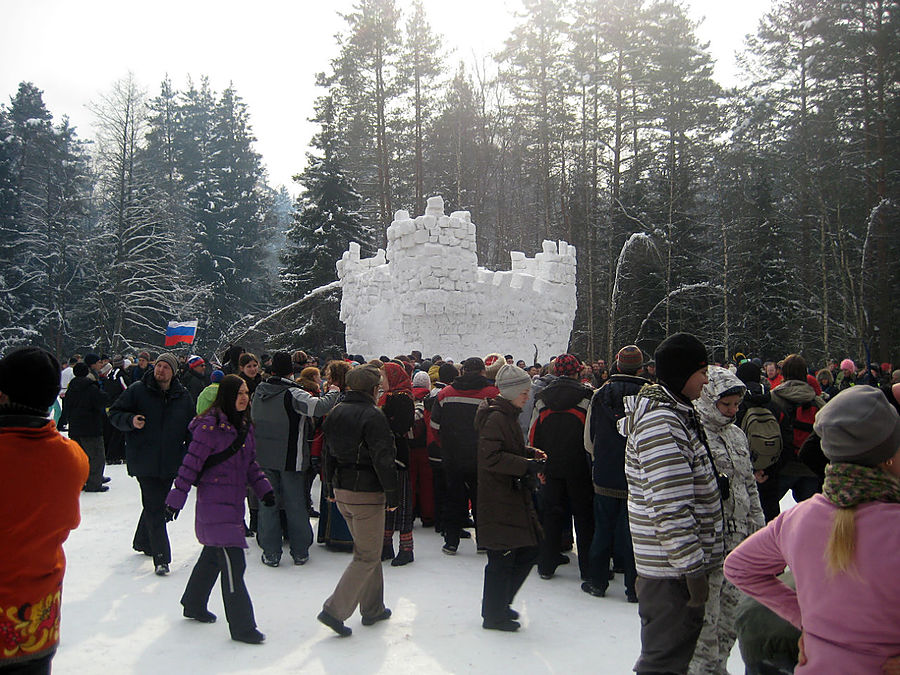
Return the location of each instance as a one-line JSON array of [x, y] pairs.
[[462, 487], [229, 563], [439, 480], [576, 492], [39, 666], [504, 575], [151, 536], [669, 628]]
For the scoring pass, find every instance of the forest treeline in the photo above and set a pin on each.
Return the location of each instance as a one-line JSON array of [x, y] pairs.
[[763, 218]]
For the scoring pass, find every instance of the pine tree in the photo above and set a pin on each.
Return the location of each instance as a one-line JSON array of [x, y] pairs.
[[326, 220], [43, 195], [136, 280]]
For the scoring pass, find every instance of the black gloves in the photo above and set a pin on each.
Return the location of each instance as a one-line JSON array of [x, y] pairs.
[[171, 514], [536, 466], [698, 587], [268, 499]]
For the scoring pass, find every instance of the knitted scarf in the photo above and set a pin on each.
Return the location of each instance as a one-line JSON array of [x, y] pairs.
[[847, 485]]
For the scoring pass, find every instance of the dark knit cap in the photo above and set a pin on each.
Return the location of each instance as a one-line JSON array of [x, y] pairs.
[[169, 360], [568, 366], [629, 359], [363, 378], [80, 369], [749, 372], [91, 359], [216, 376], [859, 426], [447, 372], [473, 364], [677, 358], [30, 377], [282, 364]]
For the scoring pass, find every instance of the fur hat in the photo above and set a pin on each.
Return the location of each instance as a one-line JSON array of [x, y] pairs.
[[512, 381], [169, 360], [363, 378], [859, 426], [847, 364], [30, 377], [629, 359], [568, 365], [677, 359]]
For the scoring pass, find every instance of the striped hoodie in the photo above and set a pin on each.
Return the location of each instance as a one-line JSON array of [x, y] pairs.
[[674, 508]]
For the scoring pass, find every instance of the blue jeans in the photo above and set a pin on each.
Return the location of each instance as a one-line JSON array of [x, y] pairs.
[[290, 495], [611, 533]]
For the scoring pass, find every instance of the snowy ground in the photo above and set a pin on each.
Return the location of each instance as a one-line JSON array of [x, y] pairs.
[[118, 617]]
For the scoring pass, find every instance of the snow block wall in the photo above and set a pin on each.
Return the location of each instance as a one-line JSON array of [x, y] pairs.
[[427, 292]]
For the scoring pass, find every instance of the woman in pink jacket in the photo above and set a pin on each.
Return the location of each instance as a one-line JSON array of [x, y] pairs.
[[843, 546]]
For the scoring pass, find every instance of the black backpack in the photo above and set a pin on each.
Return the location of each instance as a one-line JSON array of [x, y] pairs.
[[764, 436]]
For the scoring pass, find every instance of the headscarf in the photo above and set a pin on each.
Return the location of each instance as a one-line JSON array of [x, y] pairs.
[[397, 381]]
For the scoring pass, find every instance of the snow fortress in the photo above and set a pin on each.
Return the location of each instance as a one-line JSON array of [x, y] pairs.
[[428, 293]]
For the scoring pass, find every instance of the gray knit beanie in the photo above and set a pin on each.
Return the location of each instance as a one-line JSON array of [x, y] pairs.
[[170, 360], [512, 381], [859, 426]]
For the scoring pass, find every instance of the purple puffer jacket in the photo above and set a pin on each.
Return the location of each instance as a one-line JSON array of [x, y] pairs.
[[223, 487]]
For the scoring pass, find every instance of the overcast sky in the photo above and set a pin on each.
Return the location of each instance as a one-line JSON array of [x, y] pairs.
[[270, 50]]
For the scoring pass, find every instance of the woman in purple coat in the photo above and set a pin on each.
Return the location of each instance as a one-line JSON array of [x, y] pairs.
[[221, 462]]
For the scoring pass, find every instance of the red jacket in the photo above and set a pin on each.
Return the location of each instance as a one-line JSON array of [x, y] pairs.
[[453, 417], [43, 476]]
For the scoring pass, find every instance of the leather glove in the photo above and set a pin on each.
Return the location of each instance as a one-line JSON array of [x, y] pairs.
[[536, 466], [268, 499], [698, 587], [171, 514]]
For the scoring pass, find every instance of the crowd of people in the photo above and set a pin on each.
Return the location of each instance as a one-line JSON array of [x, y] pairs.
[[664, 469]]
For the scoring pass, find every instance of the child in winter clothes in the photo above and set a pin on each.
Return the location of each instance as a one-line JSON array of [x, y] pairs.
[[221, 462], [717, 407], [397, 404]]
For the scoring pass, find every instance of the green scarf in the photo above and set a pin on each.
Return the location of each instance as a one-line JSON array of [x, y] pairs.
[[847, 485]]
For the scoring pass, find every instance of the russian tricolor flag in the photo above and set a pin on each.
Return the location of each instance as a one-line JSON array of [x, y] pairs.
[[181, 331]]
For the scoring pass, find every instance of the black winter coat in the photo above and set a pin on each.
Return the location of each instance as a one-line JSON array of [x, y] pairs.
[[607, 408], [400, 411], [558, 426], [85, 404], [158, 449], [359, 449], [194, 383]]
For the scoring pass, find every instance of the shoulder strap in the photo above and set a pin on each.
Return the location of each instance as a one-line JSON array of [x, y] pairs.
[[228, 453]]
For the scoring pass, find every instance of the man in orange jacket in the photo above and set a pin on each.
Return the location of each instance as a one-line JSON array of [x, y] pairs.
[[41, 475]]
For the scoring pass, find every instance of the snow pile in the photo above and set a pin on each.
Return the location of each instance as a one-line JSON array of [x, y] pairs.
[[428, 292]]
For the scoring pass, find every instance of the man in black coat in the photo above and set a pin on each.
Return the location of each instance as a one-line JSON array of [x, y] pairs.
[[154, 413], [607, 449], [85, 405], [557, 428]]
